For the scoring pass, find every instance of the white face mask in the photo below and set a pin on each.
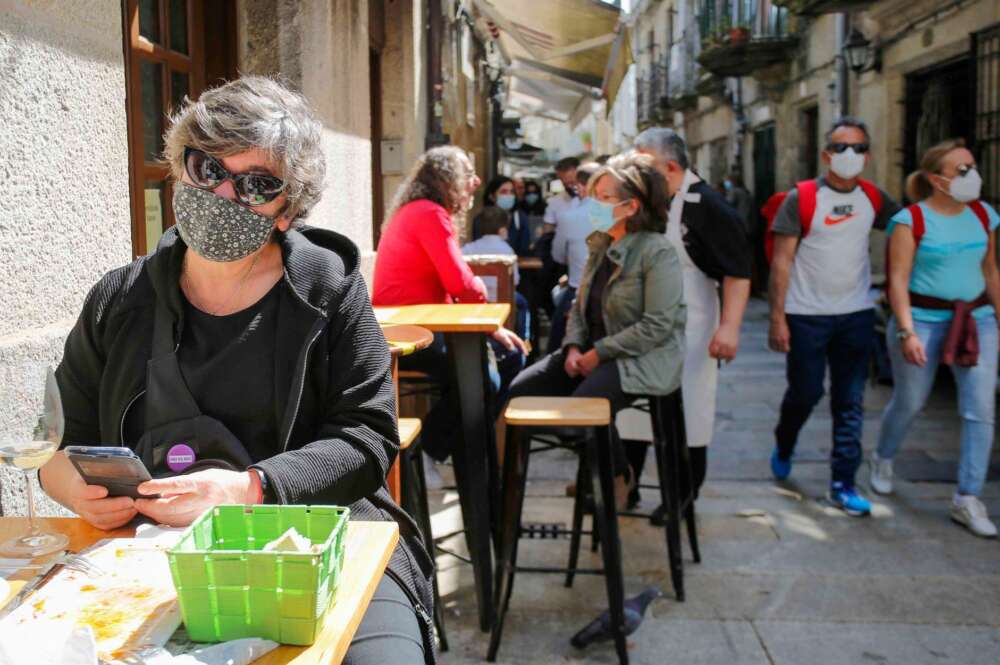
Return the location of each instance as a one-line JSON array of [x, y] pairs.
[[847, 164], [965, 188]]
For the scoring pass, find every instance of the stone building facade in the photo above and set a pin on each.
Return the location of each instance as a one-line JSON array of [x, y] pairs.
[[74, 114], [754, 84]]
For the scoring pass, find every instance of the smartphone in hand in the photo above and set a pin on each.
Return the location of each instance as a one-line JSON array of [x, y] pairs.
[[118, 469]]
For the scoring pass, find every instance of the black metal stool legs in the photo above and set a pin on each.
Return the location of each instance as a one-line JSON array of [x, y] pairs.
[[515, 477], [578, 510], [415, 504], [598, 453]]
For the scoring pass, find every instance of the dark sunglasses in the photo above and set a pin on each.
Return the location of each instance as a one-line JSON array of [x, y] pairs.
[[860, 148], [252, 189]]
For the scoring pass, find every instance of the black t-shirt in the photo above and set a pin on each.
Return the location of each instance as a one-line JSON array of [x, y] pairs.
[[714, 235], [595, 299], [228, 365]]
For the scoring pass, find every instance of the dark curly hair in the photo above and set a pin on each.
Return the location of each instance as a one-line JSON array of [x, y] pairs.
[[636, 177]]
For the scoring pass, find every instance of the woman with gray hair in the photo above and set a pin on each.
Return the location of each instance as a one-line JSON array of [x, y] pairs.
[[241, 360]]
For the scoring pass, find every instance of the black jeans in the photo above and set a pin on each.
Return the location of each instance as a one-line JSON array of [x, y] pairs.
[[389, 631], [443, 420], [560, 316], [548, 378]]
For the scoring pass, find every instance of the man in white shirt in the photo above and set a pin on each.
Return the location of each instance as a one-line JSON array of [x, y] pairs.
[[569, 247], [821, 310], [567, 200]]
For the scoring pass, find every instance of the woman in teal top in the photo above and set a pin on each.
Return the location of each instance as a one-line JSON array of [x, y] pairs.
[[944, 288]]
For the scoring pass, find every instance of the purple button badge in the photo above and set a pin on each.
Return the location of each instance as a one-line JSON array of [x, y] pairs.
[[180, 457]]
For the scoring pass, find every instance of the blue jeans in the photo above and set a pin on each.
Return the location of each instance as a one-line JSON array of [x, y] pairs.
[[844, 341], [976, 397], [522, 316]]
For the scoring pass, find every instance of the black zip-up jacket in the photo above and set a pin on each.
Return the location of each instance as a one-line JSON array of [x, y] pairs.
[[335, 401]]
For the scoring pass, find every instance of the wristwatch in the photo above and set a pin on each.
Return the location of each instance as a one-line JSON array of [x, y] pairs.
[[904, 334]]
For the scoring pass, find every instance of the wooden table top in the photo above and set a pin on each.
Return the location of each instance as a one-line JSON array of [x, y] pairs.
[[369, 546], [404, 340], [484, 318]]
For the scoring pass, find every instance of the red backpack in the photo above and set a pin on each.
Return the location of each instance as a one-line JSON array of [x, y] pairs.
[[919, 227], [807, 190]]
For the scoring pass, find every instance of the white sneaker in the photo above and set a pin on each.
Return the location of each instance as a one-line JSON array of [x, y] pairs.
[[881, 474], [970, 512]]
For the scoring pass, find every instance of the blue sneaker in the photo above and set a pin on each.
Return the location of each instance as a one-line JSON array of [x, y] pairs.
[[781, 468], [847, 499]]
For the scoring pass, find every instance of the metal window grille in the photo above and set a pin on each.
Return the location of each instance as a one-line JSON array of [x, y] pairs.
[[986, 50]]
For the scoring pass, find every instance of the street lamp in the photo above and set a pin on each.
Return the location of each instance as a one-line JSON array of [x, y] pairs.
[[860, 54]]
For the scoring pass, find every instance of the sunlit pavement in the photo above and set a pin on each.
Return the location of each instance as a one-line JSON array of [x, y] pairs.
[[785, 578]]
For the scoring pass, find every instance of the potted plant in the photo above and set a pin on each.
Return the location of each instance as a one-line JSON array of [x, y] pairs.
[[739, 34]]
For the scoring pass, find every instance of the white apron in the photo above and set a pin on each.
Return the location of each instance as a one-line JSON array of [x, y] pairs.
[[701, 371]]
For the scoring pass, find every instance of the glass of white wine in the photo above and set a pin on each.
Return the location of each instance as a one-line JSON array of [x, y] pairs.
[[28, 453]]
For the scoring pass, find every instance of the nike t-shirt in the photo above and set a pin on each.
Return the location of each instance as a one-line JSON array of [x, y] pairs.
[[949, 259], [831, 272]]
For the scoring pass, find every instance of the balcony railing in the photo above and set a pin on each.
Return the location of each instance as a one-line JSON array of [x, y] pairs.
[[818, 7], [653, 88], [739, 37]]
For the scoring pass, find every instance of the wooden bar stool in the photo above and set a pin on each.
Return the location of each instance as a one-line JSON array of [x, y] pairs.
[[526, 414], [402, 340], [673, 464], [414, 502]]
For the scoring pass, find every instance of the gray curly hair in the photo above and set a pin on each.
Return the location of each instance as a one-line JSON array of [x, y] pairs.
[[255, 112], [440, 175]]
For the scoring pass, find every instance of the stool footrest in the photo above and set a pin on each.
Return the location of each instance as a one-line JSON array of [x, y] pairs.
[[560, 571]]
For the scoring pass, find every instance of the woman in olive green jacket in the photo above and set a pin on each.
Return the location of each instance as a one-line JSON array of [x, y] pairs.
[[625, 336]]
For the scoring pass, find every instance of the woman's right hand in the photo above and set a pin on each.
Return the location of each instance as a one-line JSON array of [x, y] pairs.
[[913, 351], [572, 364], [91, 502], [63, 483]]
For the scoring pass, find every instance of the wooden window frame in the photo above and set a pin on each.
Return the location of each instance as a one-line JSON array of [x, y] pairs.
[[137, 50]]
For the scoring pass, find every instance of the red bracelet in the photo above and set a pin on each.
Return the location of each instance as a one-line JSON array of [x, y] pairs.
[[255, 493]]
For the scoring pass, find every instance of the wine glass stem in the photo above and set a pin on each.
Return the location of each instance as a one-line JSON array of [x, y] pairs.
[[32, 525]]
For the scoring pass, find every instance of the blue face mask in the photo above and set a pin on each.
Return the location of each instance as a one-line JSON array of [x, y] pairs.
[[531, 198], [602, 215], [506, 201]]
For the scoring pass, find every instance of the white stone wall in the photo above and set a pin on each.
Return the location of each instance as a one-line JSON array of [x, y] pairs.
[[321, 48], [64, 220]]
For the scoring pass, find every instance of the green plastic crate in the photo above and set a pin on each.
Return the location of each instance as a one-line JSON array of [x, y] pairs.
[[228, 588]]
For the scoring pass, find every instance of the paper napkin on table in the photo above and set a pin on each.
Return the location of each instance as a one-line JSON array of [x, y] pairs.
[[62, 643], [236, 652], [47, 643]]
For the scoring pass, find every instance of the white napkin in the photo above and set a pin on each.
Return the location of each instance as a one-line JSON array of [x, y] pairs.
[[236, 652], [47, 643], [62, 643], [159, 534]]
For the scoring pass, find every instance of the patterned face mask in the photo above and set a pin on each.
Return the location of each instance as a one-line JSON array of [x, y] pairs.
[[218, 229]]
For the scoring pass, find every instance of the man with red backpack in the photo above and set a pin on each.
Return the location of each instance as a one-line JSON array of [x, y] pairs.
[[822, 310]]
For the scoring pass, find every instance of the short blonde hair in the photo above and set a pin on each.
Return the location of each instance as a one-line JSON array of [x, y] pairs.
[[255, 112]]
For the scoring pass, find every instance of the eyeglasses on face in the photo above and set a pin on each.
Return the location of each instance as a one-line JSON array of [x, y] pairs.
[[252, 189], [838, 148]]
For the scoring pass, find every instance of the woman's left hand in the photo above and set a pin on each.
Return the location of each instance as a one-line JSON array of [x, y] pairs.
[[184, 498], [588, 362], [725, 343], [511, 341]]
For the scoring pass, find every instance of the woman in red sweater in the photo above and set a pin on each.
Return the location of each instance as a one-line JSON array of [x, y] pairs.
[[419, 262]]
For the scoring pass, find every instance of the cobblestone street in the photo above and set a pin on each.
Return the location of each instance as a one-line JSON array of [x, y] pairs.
[[785, 578]]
